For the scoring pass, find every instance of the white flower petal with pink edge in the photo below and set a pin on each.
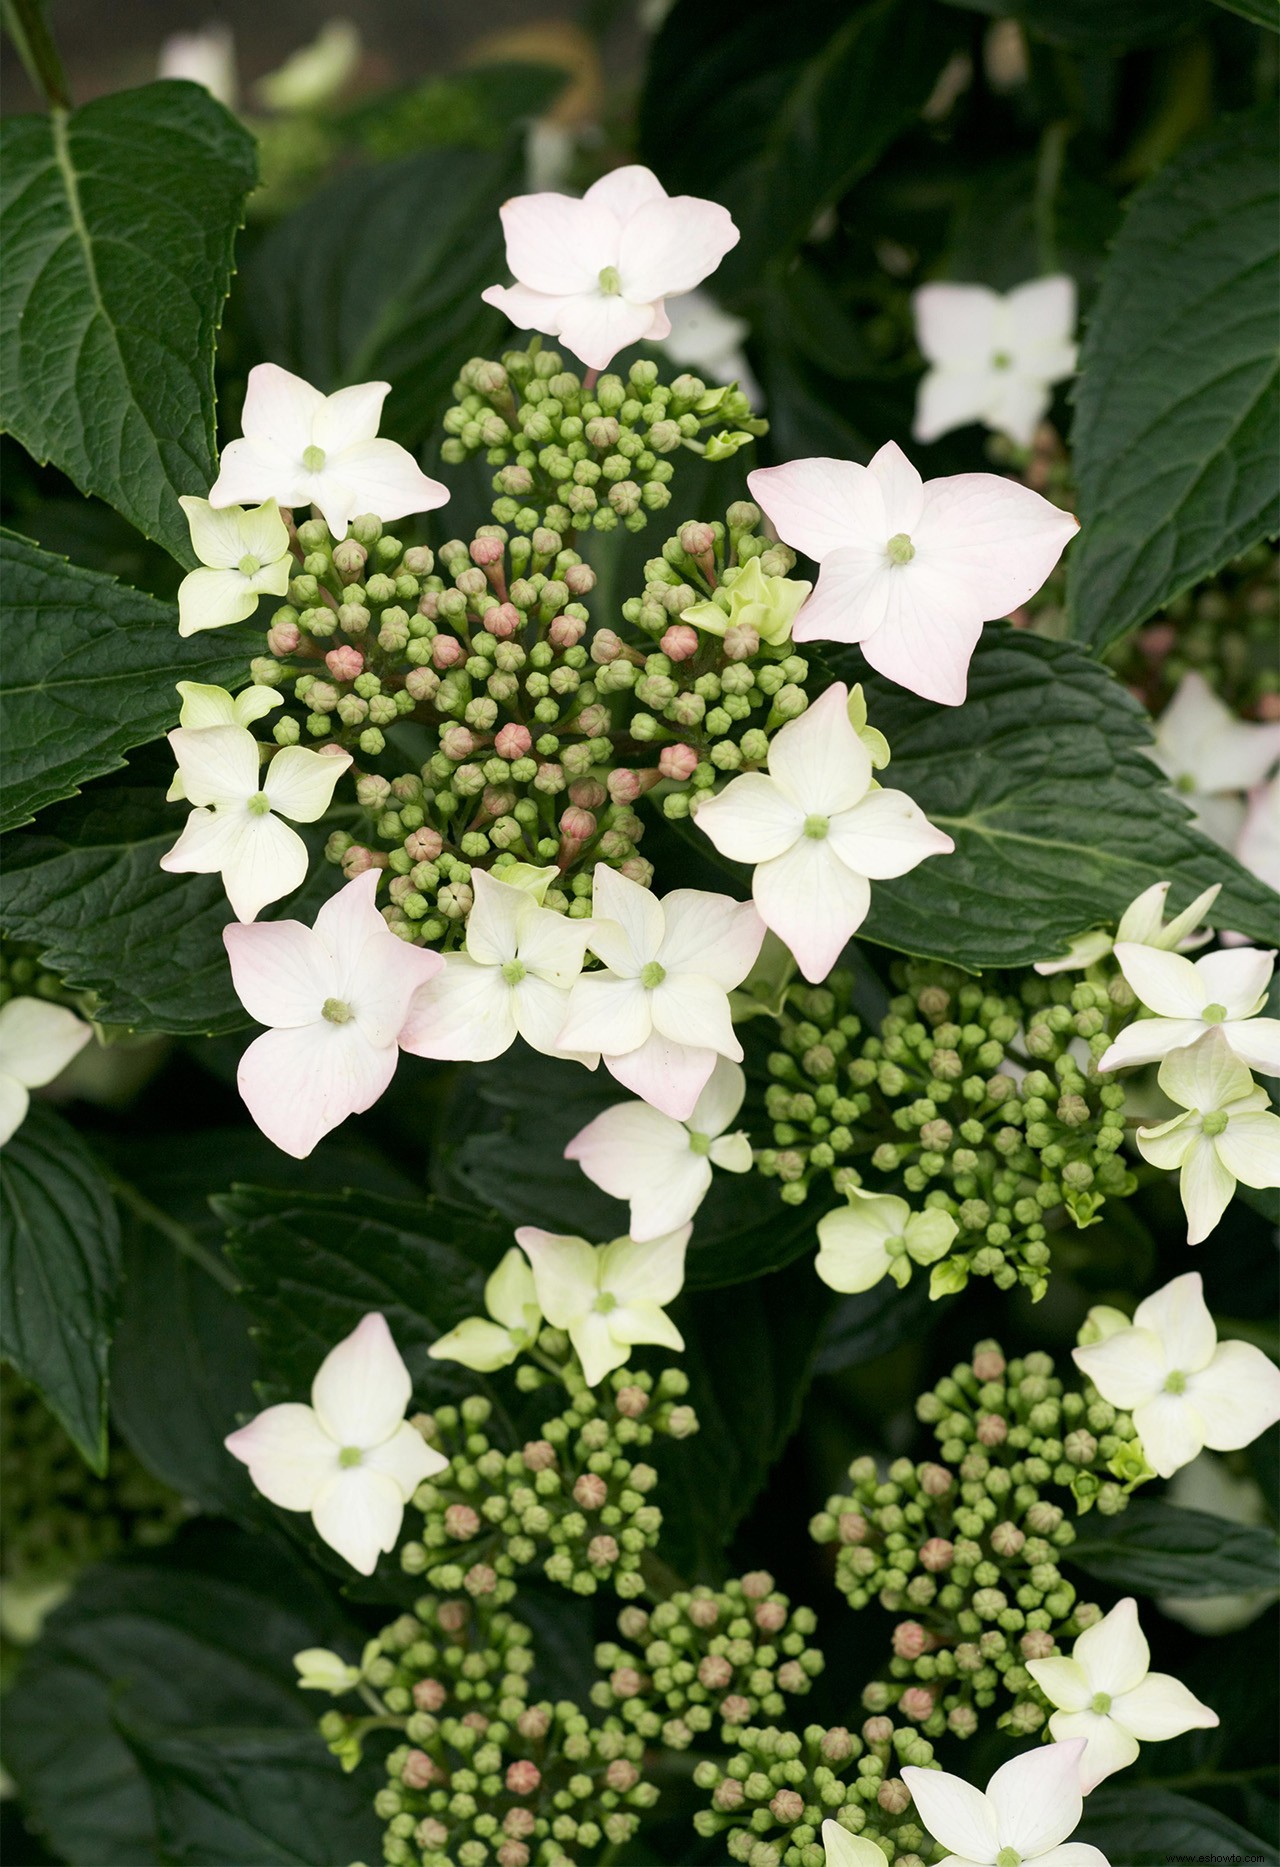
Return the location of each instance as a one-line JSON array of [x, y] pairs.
[[1127, 1703], [1184, 1388], [818, 832], [1031, 1807], [301, 448], [512, 1303], [608, 1297], [37, 1041], [993, 357], [918, 567], [350, 1458], [595, 272], [1221, 991]]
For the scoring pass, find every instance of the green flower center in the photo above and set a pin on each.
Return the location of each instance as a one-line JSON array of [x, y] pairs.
[[1185, 783], [610, 281], [605, 1302], [1101, 1703], [817, 827], [259, 804], [335, 1011], [1001, 360], [700, 1143], [349, 1456], [895, 1247], [249, 566], [1214, 1122], [1214, 1014], [900, 549], [513, 971], [652, 975], [1175, 1382], [313, 458], [1008, 1857]]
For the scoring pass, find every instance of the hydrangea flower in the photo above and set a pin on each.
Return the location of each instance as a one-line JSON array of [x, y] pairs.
[[236, 828], [663, 1167], [1226, 1134], [769, 605], [243, 556], [206, 57], [994, 357], [877, 1233], [336, 997], [1212, 757], [1031, 1808], [1222, 991], [910, 570], [1143, 924], [1184, 1388], [609, 1298], [818, 832], [37, 1041], [304, 448], [595, 272], [1258, 844], [350, 1459], [512, 1303], [204, 705], [1107, 1694], [659, 1015]]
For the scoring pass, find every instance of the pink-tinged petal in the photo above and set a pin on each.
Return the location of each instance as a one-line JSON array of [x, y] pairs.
[[219, 765], [1178, 1314], [720, 1100], [950, 398], [1036, 1798], [851, 597], [1249, 1148], [528, 310], [1237, 1397], [957, 324], [668, 247], [1206, 1075], [299, 1084], [1256, 1041], [1063, 1681], [465, 1014], [386, 480], [622, 192], [406, 1459], [668, 1075], [634, 911], [628, 1147], [954, 1812], [1107, 1747], [557, 244], [300, 783], [598, 324], [1018, 405], [688, 1008], [38, 1040], [1042, 318], [550, 945], [1126, 1368], [350, 416], [812, 902], [928, 635], [346, 923], [1149, 1039], [210, 599], [1258, 845], [645, 1272], [1170, 1432], [565, 1273], [389, 975], [821, 505], [995, 539], [265, 861], [362, 1386], [1166, 983], [818, 759], [358, 1514], [605, 1011], [751, 820], [251, 470], [539, 1008], [710, 935], [281, 972], [1207, 1189], [280, 409], [596, 1349], [901, 488], [1161, 1707], [289, 1455], [886, 835]]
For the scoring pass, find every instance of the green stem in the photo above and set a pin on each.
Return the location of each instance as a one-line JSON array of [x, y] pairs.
[[26, 25], [179, 1236], [1053, 149]]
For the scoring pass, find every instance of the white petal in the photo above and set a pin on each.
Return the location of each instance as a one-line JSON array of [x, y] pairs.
[[1256, 1041], [886, 835], [528, 310], [204, 705], [540, 1010], [606, 1011], [263, 861], [14, 1103], [551, 945], [709, 935], [994, 538], [1179, 1315], [732, 1152], [634, 911], [346, 923], [842, 1849], [720, 1100], [281, 972], [509, 1291], [476, 1344], [1166, 983], [669, 1075], [210, 599], [649, 1271], [930, 630], [406, 1459], [350, 417], [596, 325], [669, 246], [1206, 1075], [954, 1812], [565, 1273], [662, 1206], [1161, 1707], [280, 409], [1063, 1681], [1237, 1397], [1258, 844], [630, 1147], [751, 820], [1149, 1039], [951, 397], [557, 244], [813, 902], [300, 783], [1166, 1144], [642, 1322], [467, 1013], [1042, 318], [38, 1040], [1107, 1747], [386, 480], [1036, 1798], [289, 1454], [221, 537], [1018, 404], [1249, 1148], [818, 760], [218, 765], [359, 1513], [362, 1386], [821, 505], [691, 1009], [250, 470], [493, 925], [901, 487], [596, 1348], [299, 1084], [1114, 1651], [1073, 1854], [1126, 1368], [851, 1242], [621, 192], [1207, 1188], [1170, 1431], [956, 324]]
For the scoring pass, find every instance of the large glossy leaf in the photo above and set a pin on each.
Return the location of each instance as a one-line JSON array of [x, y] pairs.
[[1156, 1548], [59, 1274], [119, 222], [1150, 1827], [1178, 404], [89, 671]]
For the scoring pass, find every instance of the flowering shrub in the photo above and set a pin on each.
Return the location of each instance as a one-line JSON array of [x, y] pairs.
[[635, 945]]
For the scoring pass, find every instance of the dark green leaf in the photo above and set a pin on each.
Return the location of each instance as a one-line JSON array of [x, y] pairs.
[[89, 672], [1178, 404], [119, 223], [779, 126], [1094, 26], [85, 885], [1156, 1548], [1149, 1828], [59, 1274], [380, 275], [1257, 12], [193, 1644], [860, 1328]]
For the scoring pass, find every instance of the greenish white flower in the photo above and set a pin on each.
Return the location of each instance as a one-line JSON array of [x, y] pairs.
[[244, 555], [321, 1670], [748, 598], [204, 705], [512, 1303], [315, 73], [609, 1298], [1227, 1132], [1142, 923], [878, 1234], [37, 1041]]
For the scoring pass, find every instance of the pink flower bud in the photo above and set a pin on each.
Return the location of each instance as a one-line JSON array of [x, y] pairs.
[[587, 794], [728, 1795], [836, 1745], [770, 1617], [480, 1579], [893, 1796], [430, 1833], [851, 1526], [460, 1521], [344, 663], [792, 1677], [787, 1806], [735, 1709], [418, 1771], [283, 638], [637, 870], [523, 1777], [697, 538], [422, 683], [497, 802], [937, 1554], [606, 646], [330, 750], [429, 1694], [590, 1491], [935, 1480], [423, 845], [503, 621], [577, 825], [621, 1775], [715, 1672], [513, 1853], [567, 631], [631, 1402], [513, 742], [533, 1724], [741, 641], [916, 1703], [679, 761], [602, 1552], [522, 1821], [625, 1682], [909, 1639], [453, 1616], [594, 721], [458, 742], [1037, 1644], [877, 1731], [580, 579], [359, 860], [486, 551], [757, 1584], [625, 785], [447, 651], [988, 1364], [992, 1429], [679, 642], [539, 1455]]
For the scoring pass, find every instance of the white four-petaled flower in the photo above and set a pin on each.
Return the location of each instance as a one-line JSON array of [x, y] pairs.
[[243, 556], [662, 1166], [236, 828], [304, 448], [1222, 991], [515, 1319], [1184, 1388], [1227, 1133], [1107, 1695], [817, 832], [874, 1234], [608, 1297], [994, 357], [351, 1458], [1031, 1808], [336, 997], [204, 705], [660, 1014], [37, 1041], [1142, 922], [1212, 756], [910, 570], [595, 272]]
